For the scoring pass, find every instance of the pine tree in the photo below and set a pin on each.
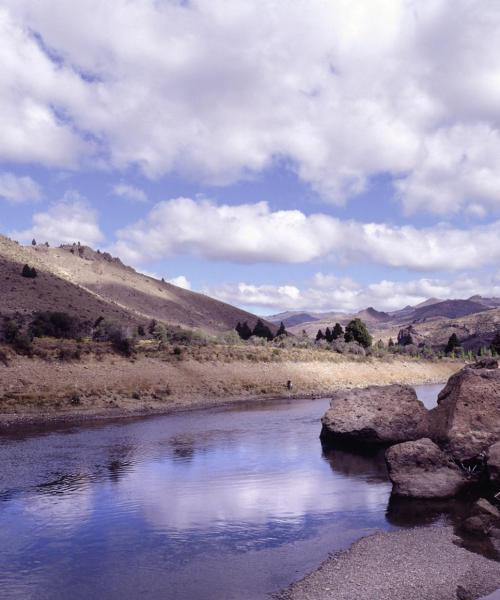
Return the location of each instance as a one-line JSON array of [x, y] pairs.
[[281, 330], [390, 343], [452, 343], [356, 331], [262, 331], [320, 335], [238, 328], [245, 331], [29, 272], [328, 335], [337, 331], [495, 344], [33, 242]]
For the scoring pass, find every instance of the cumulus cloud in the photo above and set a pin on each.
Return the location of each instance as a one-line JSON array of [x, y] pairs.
[[67, 221], [327, 292], [218, 90], [17, 189], [253, 233], [129, 192], [180, 281]]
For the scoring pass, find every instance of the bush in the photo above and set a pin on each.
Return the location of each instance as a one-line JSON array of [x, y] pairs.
[[121, 342], [22, 344], [10, 329], [55, 324]]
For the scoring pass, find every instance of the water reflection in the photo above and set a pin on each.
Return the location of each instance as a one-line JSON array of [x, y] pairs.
[[203, 505]]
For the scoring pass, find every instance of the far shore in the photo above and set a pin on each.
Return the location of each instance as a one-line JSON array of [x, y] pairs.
[[36, 391]]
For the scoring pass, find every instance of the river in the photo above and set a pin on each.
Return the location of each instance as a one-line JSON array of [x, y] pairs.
[[226, 504]]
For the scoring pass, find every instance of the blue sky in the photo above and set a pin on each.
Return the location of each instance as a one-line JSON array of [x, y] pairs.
[[277, 155]]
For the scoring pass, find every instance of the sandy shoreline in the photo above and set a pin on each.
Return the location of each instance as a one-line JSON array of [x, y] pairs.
[[37, 391], [414, 564]]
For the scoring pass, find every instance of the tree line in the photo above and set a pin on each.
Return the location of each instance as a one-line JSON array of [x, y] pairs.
[[260, 330], [355, 331]]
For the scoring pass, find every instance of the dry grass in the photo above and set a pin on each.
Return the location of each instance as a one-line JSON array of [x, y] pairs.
[[162, 380]]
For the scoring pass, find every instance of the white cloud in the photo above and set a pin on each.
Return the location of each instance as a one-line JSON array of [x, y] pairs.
[[252, 233], [67, 221], [218, 90], [180, 281], [17, 189], [347, 296], [129, 192]]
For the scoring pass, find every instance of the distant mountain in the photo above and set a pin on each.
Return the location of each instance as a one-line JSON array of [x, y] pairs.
[[291, 319], [428, 302], [451, 309], [90, 284], [370, 314]]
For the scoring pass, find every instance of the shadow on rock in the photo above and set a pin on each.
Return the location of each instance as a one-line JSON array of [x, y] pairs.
[[367, 464]]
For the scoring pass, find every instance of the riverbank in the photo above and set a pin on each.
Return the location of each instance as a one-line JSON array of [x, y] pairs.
[[414, 564], [34, 390]]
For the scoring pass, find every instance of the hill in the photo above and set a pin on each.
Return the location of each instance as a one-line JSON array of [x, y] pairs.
[[90, 284]]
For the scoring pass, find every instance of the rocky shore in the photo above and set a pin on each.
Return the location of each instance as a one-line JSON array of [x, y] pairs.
[[449, 451], [415, 564]]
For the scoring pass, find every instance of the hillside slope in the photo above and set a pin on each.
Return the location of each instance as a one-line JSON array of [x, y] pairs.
[[80, 281]]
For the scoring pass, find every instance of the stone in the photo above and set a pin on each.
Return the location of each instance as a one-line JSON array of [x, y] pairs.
[[493, 464], [420, 469], [376, 415], [467, 419]]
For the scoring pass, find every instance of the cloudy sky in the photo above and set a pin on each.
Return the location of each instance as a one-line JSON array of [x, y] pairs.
[[277, 154]]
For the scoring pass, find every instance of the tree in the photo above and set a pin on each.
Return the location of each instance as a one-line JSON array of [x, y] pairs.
[[495, 344], [390, 343], [33, 242], [282, 330], [328, 335], [320, 335], [29, 272], [404, 336], [356, 331], [337, 331], [452, 343], [244, 331], [262, 331]]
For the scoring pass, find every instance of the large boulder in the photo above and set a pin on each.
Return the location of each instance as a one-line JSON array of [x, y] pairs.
[[420, 469], [494, 464], [467, 418], [375, 415]]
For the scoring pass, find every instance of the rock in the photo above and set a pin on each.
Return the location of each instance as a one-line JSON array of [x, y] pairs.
[[483, 507], [484, 517], [485, 363], [467, 418], [493, 463], [375, 415], [476, 525], [420, 469]]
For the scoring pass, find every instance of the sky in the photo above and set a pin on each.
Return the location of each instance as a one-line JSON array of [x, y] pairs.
[[275, 154]]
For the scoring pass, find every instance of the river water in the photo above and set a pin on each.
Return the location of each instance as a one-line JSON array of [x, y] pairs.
[[231, 503]]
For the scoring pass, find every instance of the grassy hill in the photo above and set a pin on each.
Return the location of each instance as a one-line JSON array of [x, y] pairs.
[[90, 284]]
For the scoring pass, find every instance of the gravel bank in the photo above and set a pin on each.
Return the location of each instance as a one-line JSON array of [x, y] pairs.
[[414, 564]]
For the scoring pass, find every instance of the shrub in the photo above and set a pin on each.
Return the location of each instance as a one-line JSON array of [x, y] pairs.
[[122, 342], [22, 344], [10, 329], [55, 324]]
